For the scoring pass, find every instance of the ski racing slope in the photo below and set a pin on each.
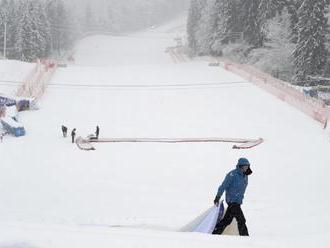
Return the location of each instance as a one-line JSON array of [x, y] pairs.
[[139, 195]]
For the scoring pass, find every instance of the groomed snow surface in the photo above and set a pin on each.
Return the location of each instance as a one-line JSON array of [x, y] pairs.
[[139, 195]]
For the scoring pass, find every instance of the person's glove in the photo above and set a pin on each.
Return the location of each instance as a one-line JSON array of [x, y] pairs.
[[216, 200]]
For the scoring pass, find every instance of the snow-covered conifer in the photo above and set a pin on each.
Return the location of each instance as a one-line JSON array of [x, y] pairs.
[[4, 21], [227, 28], [269, 8], [293, 6], [194, 17], [206, 28], [25, 45], [43, 32], [310, 54], [252, 30], [60, 25]]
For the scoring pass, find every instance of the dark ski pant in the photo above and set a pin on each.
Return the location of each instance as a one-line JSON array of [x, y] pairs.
[[233, 211]]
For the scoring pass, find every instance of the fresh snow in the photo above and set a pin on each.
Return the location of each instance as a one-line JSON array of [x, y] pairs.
[[10, 121], [140, 195], [11, 111], [12, 74]]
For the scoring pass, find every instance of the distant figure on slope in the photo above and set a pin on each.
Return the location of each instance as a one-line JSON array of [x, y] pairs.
[[73, 135], [71, 58], [97, 132], [234, 184], [1, 137], [64, 131], [325, 124]]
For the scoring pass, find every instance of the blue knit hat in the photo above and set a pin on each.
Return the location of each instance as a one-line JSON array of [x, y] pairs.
[[242, 162]]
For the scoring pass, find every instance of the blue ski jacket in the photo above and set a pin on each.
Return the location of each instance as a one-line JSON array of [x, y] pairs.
[[234, 184]]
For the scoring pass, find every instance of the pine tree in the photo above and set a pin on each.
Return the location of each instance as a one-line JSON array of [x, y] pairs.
[[269, 8], [227, 28], [310, 54], [14, 17], [45, 29], [22, 44], [60, 25], [42, 30], [293, 6], [3, 21], [252, 32], [276, 58], [194, 17], [206, 26], [35, 41], [233, 24], [32, 34]]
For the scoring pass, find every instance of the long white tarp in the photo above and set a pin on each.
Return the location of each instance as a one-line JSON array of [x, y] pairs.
[[208, 224], [205, 223]]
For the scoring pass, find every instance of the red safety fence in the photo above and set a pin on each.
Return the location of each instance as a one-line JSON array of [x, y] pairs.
[[313, 107], [35, 84], [25, 89]]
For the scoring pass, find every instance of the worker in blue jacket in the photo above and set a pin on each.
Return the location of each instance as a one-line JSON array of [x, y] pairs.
[[235, 185]]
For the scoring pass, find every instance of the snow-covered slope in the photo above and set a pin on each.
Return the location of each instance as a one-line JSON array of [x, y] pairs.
[[138, 195], [12, 74]]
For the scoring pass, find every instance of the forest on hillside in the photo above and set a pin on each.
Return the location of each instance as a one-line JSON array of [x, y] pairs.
[[286, 38], [32, 29]]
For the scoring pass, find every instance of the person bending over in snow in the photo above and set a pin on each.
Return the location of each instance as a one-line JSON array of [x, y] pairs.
[[234, 184], [64, 131]]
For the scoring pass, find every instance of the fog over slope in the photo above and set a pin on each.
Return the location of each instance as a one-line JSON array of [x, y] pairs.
[[116, 15]]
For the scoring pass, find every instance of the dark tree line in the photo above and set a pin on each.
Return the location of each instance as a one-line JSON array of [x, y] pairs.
[[212, 24], [47, 28], [33, 28], [129, 15]]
